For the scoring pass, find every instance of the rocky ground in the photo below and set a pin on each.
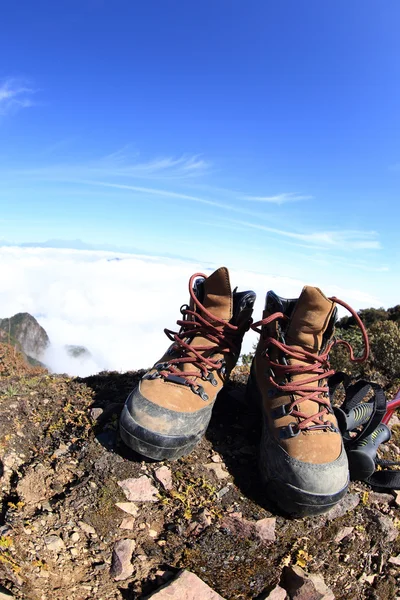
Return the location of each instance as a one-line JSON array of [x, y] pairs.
[[81, 517]]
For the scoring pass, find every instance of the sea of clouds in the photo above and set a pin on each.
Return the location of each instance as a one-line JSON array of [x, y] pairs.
[[117, 305]]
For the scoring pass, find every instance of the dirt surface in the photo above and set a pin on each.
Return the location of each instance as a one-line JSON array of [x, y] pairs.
[[62, 459]]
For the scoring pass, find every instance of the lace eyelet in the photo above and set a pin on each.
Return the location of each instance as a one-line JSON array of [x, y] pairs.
[[290, 431], [210, 377], [200, 391], [281, 411]]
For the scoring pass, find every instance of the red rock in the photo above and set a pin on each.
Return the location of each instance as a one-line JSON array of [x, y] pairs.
[[238, 526], [139, 490], [186, 586], [349, 502], [385, 525], [121, 565], [264, 529], [218, 470], [128, 507], [343, 533], [127, 523], [379, 498], [278, 593], [303, 586], [164, 476]]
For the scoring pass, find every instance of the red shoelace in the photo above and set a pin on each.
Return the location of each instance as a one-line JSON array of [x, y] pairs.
[[317, 365], [199, 323]]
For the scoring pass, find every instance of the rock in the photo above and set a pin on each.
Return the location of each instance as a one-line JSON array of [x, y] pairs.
[[153, 533], [74, 537], [139, 490], [385, 525], [265, 529], [61, 450], [127, 523], [278, 593], [121, 566], [217, 469], [378, 498], [88, 529], [164, 476], [238, 526], [349, 502], [368, 578], [128, 507], [321, 587], [185, 586], [95, 413], [303, 586], [395, 560], [54, 543], [397, 498], [343, 533], [223, 491], [216, 458]]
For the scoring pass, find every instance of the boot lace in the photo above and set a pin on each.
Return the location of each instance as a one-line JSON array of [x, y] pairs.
[[317, 366], [198, 323]]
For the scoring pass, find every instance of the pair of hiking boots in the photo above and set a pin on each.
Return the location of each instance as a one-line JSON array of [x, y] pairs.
[[302, 459]]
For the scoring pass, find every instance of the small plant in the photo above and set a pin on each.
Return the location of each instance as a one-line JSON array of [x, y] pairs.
[[5, 542], [11, 391], [192, 494]]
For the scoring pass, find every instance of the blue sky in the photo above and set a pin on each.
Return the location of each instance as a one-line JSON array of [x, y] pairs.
[[260, 134]]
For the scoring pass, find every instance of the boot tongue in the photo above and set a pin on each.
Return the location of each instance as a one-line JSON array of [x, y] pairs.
[[218, 294], [310, 319], [217, 299]]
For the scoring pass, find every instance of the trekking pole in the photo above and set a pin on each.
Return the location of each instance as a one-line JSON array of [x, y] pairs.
[[362, 455], [391, 407]]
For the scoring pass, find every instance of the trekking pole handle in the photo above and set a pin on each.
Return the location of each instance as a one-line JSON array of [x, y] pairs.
[[363, 454], [357, 416], [371, 443]]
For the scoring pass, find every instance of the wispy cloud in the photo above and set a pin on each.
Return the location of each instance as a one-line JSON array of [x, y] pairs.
[[278, 198], [343, 240], [14, 95], [124, 165], [163, 193], [169, 177], [157, 192]]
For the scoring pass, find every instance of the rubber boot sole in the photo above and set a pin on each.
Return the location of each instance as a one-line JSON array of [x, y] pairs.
[[155, 445], [293, 501]]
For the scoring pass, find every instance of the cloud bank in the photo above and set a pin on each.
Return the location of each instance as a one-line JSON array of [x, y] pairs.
[[117, 305]]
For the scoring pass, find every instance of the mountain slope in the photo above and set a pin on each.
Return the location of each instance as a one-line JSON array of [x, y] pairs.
[[23, 330]]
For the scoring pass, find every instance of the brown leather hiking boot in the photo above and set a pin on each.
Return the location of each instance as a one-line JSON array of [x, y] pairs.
[[302, 459], [168, 412]]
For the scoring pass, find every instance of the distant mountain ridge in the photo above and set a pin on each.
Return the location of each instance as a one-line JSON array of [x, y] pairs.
[[24, 332]]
